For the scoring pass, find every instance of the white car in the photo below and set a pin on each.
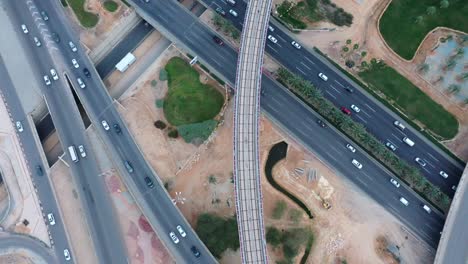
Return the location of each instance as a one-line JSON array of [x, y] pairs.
[[25, 29], [54, 74], [105, 125], [443, 174], [181, 231], [37, 41], [66, 254], [427, 208], [355, 108], [422, 162], [72, 46], [82, 151], [323, 76], [390, 146], [271, 28], [272, 39], [351, 148], [454, 187], [174, 238], [80, 83], [399, 125], [75, 64], [357, 164], [51, 219], [19, 126], [46, 80], [233, 12], [394, 182], [296, 45]]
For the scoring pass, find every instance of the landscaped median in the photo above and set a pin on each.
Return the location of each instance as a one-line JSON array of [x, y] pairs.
[[357, 132], [87, 19]]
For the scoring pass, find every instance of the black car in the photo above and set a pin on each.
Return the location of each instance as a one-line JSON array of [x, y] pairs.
[[218, 40], [117, 128], [149, 182], [55, 37], [220, 11], [39, 170], [195, 251], [321, 123], [44, 15], [349, 89], [86, 72]]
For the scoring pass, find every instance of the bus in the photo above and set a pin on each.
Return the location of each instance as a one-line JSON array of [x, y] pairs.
[[73, 156]]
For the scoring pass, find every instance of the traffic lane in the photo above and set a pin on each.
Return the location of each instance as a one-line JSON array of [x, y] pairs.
[[14, 242], [331, 146]]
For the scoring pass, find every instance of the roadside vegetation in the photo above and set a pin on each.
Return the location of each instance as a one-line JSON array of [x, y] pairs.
[[410, 99], [190, 105], [225, 26], [405, 23], [217, 233], [87, 19], [110, 5], [290, 241], [357, 132]]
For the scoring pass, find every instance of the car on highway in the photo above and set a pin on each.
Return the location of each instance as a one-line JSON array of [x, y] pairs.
[[72, 46], [149, 182], [345, 110], [390, 146], [128, 166], [271, 28], [19, 126], [454, 187], [323, 76], [404, 201], [355, 108], [272, 39], [174, 238], [231, 2], [399, 125], [44, 15], [233, 12], [117, 129], [427, 209], [220, 11], [296, 45], [443, 174], [357, 164], [37, 42], [195, 251], [86, 72], [394, 182], [54, 75], [218, 40], [82, 151], [39, 170], [66, 254], [349, 89], [55, 37], [105, 125], [25, 29], [75, 63], [51, 218], [181, 231], [46, 80], [321, 123], [80, 83], [420, 161], [351, 148]]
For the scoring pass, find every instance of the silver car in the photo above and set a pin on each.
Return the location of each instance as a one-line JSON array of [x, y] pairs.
[[174, 238]]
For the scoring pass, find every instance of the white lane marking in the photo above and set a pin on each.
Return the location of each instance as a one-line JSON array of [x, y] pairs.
[[303, 64], [163, 18], [309, 60], [361, 119], [424, 168], [399, 139], [336, 150], [430, 164], [361, 181], [434, 158], [368, 176], [372, 109], [364, 112], [331, 156], [300, 70], [330, 94], [272, 48], [335, 89], [281, 38], [339, 83], [279, 45]]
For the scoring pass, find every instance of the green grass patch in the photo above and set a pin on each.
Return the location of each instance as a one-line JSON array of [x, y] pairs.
[[292, 14], [188, 101], [416, 104], [197, 133], [110, 6], [87, 19], [405, 23]]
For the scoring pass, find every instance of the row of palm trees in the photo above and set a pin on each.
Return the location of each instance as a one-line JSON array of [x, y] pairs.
[[356, 131]]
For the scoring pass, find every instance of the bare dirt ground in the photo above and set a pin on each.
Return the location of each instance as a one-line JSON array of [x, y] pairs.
[[364, 31], [354, 217], [15, 259]]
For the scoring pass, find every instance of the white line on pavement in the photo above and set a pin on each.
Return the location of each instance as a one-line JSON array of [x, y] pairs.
[[281, 38], [434, 158], [272, 48], [372, 109], [362, 119], [300, 70], [330, 94], [309, 60], [339, 83], [399, 139], [306, 66], [335, 89]]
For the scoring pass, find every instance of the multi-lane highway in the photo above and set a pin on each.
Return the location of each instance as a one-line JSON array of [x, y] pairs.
[[280, 105], [377, 119]]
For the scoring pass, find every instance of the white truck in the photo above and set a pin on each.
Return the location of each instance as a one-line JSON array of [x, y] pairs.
[[73, 156]]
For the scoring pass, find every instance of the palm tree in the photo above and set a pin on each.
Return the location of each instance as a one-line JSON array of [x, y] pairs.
[[431, 10], [424, 67], [444, 4], [454, 89]]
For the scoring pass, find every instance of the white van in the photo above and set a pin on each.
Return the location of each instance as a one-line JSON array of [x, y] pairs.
[[408, 141], [404, 201], [425, 207]]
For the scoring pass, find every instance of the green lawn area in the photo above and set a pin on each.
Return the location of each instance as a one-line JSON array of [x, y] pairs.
[[188, 101], [110, 5], [414, 103], [403, 32], [86, 19]]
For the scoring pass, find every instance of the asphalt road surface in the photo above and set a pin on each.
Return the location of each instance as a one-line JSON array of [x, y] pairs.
[[184, 29], [376, 118], [10, 243], [105, 231]]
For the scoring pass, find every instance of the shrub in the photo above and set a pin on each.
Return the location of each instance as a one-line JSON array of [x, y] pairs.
[[173, 133], [345, 49], [201, 131], [159, 103], [160, 124], [154, 83], [363, 54], [295, 215], [356, 46], [348, 41], [280, 208], [273, 236], [217, 233], [110, 6], [349, 63], [162, 75]]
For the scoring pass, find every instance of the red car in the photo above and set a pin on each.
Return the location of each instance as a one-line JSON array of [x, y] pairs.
[[345, 110], [218, 40]]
